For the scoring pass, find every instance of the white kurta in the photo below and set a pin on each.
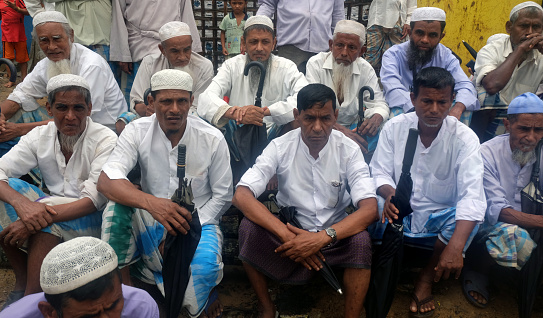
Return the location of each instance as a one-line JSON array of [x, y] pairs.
[[317, 188], [447, 174], [319, 70], [283, 81], [207, 168], [525, 78], [200, 67], [386, 13], [73, 179], [135, 25], [107, 99]]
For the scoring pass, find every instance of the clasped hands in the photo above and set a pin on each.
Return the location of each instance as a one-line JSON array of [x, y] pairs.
[[247, 115], [303, 247], [33, 217]]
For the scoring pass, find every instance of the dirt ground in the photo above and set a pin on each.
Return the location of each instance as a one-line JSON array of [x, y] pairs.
[[317, 299]]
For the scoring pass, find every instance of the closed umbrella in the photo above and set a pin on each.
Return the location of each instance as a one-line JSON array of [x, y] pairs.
[[361, 107], [12, 69]]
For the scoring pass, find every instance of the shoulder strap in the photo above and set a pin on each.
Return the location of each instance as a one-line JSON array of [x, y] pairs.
[[410, 147]]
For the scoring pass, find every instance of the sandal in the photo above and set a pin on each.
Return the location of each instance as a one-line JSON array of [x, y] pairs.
[[419, 304], [477, 282], [13, 296]]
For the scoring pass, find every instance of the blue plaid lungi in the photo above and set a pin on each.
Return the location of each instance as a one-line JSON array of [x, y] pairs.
[[127, 80], [128, 117], [508, 244], [378, 41]]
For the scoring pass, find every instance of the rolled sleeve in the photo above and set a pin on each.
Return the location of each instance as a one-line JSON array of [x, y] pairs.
[[281, 112], [360, 181], [21, 158], [211, 106], [124, 156], [265, 167], [471, 204]]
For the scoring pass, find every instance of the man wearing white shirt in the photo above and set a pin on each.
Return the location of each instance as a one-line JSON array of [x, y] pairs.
[[70, 152], [136, 221], [447, 197], [314, 164], [343, 70]]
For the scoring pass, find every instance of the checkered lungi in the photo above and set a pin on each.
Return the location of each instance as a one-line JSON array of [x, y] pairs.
[[127, 80], [508, 244], [378, 41], [257, 245], [88, 225], [135, 236]]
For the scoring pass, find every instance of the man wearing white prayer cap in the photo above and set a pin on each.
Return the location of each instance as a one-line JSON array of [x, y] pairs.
[[343, 70], [175, 52], [80, 278], [281, 86], [402, 62], [70, 152], [508, 67], [508, 162], [141, 218], [63, 57]]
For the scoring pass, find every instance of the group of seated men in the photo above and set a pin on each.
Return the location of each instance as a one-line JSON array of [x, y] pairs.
[[315, 154]]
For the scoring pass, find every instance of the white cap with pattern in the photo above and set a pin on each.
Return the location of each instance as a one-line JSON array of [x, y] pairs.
[[64, 80], [171, 79], [48, 16], [428, 14], [351, 27], [259, 19], [75, 263], [173, 29], [524, 5]]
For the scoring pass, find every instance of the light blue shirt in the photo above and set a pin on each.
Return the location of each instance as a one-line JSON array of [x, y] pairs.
[[306, 24], [397, 78], [504, 178]]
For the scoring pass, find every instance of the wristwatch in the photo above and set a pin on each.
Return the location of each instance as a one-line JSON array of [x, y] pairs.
[[332, 233]]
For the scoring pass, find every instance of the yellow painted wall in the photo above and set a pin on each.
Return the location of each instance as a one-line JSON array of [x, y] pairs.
[[472, 21]]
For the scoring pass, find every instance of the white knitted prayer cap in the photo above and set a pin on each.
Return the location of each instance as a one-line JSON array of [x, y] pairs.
[[351, 27], [171, 79], [259, 19], [75, 263], [64, 80], [524, 5], [428, 14], [48, 16], [173, 29]]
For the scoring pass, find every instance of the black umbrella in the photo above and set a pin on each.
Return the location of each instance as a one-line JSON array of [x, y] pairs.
[[250, 140], [12, 69], [470, 49], [361, 107], [287, 214], [531, 272], [387, 259], [179, 250]]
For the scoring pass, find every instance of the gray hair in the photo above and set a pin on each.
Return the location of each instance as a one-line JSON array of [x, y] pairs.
[[362, 41], [530, 11], [67, 28], [81, 90]]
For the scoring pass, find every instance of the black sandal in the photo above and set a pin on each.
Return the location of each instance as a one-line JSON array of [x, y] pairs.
[[419, 304]]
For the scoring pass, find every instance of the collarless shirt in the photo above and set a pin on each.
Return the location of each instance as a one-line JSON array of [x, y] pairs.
[[207, 166], [73, 179], [319, 70], [317, 188], [447, 174], [386, 13], [397, 78]]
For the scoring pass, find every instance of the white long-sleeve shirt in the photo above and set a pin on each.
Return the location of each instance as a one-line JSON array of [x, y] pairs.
[[315, 187], [283, 81], [73, 179], [107, 99], [447, 174], [207, 166], [386, 13], [319, 70], [201, 70]]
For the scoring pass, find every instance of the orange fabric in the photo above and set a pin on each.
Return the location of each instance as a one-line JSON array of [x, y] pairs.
[[15, 50]]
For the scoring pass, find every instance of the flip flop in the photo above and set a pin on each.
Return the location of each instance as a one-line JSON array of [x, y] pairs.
[[477, 282], [419, 304], [13, 296], [212, 298]]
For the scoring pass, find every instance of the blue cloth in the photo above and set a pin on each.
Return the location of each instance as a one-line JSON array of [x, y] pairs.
[[509, 245], [397, 78], [527, 103]]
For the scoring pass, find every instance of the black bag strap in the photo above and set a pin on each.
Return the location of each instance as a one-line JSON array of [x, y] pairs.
[[410, 147], [535, 168]]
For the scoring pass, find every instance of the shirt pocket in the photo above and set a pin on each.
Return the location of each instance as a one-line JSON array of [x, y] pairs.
[[335, 191], [200, 185], [441, 191]]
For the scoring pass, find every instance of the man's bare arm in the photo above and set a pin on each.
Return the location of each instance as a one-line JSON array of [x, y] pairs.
[[9, 130], [451, 259], [9, 108], [359, 220], [73, 210], [524, 220]]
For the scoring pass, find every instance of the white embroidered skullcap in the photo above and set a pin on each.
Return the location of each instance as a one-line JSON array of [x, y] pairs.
[[428, 14], [173, 29], [171, 79], [64, 80], [48, 16], [75, 263], [259, 19], [524, 5], [351, 27]]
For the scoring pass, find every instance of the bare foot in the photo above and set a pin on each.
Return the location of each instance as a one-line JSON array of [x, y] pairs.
[[423, 290], [9, 84], [214, 310], [478, 297]]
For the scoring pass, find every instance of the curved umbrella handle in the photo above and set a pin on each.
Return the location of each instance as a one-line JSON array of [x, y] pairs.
[[361, 103], [258, 98], [12, 69], [145, 94]]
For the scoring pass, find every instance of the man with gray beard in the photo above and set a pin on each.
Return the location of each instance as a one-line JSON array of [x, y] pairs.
[[281, 85], [508, 160], [70, 152], [55, 38], [343, 70]]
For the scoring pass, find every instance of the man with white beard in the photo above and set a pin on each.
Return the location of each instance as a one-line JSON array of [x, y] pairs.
[[55, 38], [70, 152], [175, 52], [343, 70], [508, 162]]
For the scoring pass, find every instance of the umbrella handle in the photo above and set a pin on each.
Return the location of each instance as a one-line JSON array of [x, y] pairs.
[[361, 103], [258, 98], [181, 163], [145, 95], [12, 69]]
